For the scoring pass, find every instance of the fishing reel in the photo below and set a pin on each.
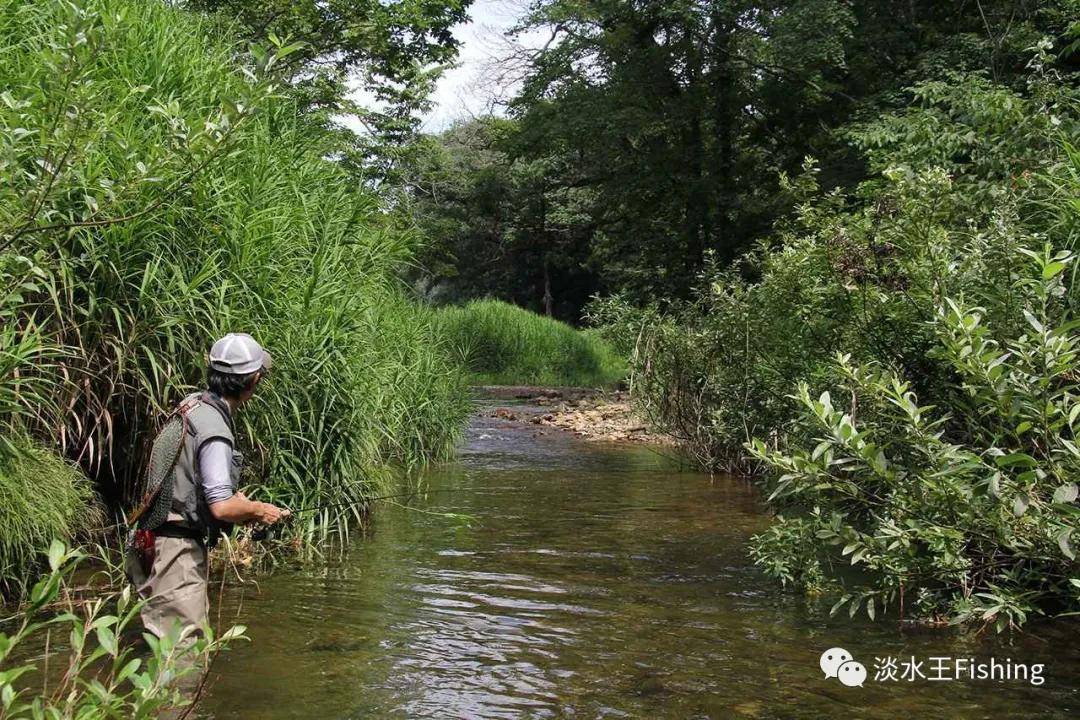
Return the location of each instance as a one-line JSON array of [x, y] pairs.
[[264, 533]]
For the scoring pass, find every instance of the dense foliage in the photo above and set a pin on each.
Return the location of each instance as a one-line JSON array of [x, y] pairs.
[[936, 454], [758, 188], [494, 224], [391, 50], [101, 673], [970, 513], [157, 190], [648, 138], [502, 344], [42, 496]]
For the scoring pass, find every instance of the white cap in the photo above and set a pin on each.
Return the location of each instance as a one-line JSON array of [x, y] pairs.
[[238, 354]]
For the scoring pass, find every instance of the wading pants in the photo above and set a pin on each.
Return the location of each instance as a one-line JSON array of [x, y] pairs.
[[176, 587]]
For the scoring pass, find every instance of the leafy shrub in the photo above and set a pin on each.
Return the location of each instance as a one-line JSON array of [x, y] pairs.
[[940, 463], [970, 514], [503, 344], [962, 175], [101, 675]]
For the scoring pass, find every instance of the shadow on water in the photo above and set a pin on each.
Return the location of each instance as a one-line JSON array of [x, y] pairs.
[[595, 582]]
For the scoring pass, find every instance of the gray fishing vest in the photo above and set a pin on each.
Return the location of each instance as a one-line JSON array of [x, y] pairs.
[[207, 420]]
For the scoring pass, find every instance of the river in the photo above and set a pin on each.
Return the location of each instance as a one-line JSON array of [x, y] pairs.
[[590, 581]]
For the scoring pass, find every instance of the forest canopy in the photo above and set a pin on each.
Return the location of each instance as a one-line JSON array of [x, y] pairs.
[[650, 139]]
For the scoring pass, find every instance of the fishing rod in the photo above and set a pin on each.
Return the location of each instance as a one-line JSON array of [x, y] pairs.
[[393, 496], [265, 532], [335, 505]]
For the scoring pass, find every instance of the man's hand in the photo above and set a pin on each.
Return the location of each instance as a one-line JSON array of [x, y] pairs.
[[270, 514]]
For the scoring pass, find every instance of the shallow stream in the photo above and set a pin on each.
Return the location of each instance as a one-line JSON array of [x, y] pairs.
[[593, 582]]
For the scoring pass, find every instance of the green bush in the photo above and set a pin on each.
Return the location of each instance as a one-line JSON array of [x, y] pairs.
[[41, 497], [157, 189], [502, 344], [939, 462], [860, 273], [103, 673], [969, 514]]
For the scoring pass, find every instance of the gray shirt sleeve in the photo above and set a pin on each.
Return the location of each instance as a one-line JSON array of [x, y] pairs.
[[215, 464]]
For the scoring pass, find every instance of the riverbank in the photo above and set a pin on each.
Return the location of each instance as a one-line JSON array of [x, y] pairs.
[[591, 414], [499, 343]]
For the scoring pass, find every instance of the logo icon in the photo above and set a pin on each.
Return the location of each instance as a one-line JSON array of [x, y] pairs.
[[838, 663]]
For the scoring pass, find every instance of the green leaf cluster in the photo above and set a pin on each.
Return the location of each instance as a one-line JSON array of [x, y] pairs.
[[935, 304], [102, 672]]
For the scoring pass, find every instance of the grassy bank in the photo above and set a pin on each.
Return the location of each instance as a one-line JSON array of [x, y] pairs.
[[502, 344], [157, 190]]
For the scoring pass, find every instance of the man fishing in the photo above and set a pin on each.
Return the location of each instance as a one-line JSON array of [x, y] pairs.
[[192, 495]]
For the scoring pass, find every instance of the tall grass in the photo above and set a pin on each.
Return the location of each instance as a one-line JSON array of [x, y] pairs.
[[502, 344], [41, 497], [158, 190]]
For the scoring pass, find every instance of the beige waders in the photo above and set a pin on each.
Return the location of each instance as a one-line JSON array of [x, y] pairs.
[[176, 588]]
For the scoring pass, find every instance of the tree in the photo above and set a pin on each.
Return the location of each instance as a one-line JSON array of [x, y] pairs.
[[395, 49], [671, 111], [515, 229], [662, 130]]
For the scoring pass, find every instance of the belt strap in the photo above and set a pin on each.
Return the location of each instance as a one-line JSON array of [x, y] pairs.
[[175, 530]]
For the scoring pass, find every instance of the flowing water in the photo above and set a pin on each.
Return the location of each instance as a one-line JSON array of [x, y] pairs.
[[591, 582]]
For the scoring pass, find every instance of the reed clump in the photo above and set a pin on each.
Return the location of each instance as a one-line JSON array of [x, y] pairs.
[[158, 189]]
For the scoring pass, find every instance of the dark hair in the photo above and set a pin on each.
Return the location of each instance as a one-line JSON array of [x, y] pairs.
[[229, 386]]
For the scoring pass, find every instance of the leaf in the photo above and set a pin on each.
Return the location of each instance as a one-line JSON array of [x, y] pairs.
[[1052, 270], [44, 591], [1033, 321], [1016, 459], [1067, 493], [854, 607], [290, 49], [128, 669], [1020, 505], [57, 550], [1068, 509], [1065, 545], [104, 621], [233, 633]]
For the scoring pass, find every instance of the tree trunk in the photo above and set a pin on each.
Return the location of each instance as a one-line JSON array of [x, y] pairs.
[[696, 215], [549, 300], [726, 106]]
